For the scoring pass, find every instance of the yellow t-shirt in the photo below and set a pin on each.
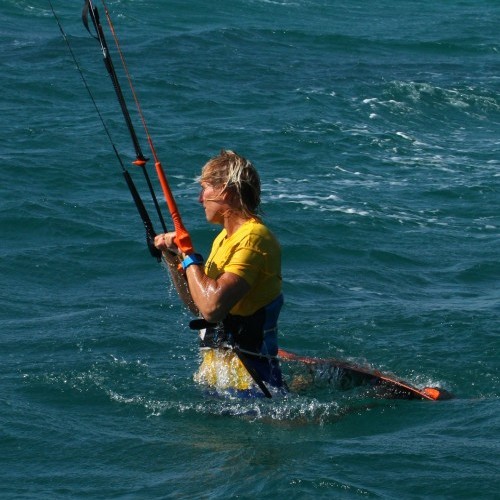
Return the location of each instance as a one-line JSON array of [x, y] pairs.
[[254, 254]]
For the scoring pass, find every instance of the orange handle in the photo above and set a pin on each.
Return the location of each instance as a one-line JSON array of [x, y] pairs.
[[183, 239]]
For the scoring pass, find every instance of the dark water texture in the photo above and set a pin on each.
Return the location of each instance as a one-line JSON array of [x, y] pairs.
[[375, 127]]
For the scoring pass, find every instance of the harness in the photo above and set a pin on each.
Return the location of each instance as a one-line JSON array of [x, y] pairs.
[[253, 338], [256, 334]]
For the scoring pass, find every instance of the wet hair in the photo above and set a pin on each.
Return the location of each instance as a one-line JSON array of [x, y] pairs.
[[236, 175]]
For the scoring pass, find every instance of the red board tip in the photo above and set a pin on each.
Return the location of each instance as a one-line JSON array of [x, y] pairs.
[[436, 393]]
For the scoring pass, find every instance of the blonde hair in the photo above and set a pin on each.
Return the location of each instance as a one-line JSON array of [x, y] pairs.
[[234, 174]]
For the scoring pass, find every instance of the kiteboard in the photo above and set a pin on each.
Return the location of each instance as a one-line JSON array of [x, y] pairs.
[[346, 375]]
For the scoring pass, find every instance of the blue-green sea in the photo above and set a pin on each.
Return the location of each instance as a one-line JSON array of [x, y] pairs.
[[375, 126]]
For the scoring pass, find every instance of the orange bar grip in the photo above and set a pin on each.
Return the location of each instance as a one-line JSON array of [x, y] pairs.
[[183, 239]]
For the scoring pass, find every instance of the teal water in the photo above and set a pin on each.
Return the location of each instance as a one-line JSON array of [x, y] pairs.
[[375, 126]]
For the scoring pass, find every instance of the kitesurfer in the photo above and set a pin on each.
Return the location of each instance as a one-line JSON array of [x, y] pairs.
[[238, 289]]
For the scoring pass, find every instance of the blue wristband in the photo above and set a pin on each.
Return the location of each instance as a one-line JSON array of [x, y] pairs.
[[194, 258]]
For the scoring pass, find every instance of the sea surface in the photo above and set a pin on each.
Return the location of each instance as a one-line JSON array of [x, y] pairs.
[[375, 126]]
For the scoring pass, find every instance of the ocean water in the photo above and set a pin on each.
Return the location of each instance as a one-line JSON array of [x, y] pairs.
[[376, 129]]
